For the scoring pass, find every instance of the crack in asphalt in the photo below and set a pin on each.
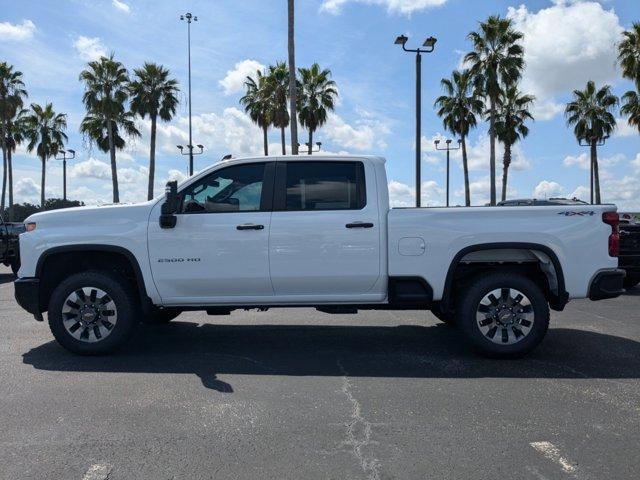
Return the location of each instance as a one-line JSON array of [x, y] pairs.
[[359, 431]]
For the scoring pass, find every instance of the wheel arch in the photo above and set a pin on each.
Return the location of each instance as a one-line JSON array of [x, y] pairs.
[[122, 258], [558, 296]]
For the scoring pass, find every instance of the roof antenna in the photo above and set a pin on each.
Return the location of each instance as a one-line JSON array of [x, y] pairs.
[[228, 156]]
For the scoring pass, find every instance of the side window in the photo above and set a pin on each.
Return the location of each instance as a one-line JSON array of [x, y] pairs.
[[324, 186], [232, 189]]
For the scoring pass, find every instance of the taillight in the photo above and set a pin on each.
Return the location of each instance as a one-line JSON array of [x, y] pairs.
[[612, 218]]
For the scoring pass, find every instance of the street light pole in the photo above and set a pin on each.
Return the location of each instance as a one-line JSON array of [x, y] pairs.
[[598, 143], [189, 17], [64, 159], [429, 43], [448, 148]]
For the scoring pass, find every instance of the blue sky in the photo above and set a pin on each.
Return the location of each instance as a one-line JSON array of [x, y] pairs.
[[566, 43]]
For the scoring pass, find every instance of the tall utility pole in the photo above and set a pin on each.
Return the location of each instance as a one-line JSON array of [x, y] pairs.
[[430, 44], [189, 18], [292, 79], [448, 148], [64, 159]]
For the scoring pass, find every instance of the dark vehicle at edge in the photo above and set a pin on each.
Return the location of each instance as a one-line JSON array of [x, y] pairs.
[[9, 244], [629, 257]]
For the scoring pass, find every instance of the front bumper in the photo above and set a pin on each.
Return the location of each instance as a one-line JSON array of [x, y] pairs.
[[27, 293], [607, 284]]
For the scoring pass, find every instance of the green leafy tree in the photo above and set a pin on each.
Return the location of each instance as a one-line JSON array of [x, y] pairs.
[[512, 115], [591, 113], [458, 108], [153, 94], [257, 103], [496, 60], [44, 131], [12, 95], [105, 97], [629, 58], [278, 85], [318, 94]]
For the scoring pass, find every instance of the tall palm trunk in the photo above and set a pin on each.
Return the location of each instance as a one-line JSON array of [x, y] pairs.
[[265, 141], [114, 168], [284, 145], [152, 158], [42, 180], [465, 168], [4, 176], [292, 79], [506, 161], [596, 175], [310, 141], [10, 168], [492, 154]]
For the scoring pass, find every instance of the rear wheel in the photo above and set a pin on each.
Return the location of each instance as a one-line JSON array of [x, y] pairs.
[[92, 313], [503, 315], [15, 266]]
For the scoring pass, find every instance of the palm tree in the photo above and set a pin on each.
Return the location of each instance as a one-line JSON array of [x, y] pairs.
[[496, 59], [12, 94], [629, 58], [591, 114], [317, 97], [153, 93], [257, 104], [278, 85], [44, 130], [458, 109], [16, 128], [293, 85], [512, 113], [105, 97]]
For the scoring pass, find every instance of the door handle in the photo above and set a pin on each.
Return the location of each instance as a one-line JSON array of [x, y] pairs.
[[359, 225], [250, 226]]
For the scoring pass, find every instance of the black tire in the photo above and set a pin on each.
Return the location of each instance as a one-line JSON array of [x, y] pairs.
[[489, 344], [160, 316], [15, 266], [122, 297], [447, 318], [631, 280]]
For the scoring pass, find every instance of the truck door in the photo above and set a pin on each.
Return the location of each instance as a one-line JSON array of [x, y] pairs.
[[218, 250], [325, 234]]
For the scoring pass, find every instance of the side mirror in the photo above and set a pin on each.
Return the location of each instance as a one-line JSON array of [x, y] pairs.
[[169, 208]]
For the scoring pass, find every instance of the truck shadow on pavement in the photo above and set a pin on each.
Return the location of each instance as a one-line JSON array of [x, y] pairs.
[[210, 350], [6, 278]]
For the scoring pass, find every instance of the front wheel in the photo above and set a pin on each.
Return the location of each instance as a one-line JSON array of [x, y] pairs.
[[503, 315], [15, 266], [92, 313]]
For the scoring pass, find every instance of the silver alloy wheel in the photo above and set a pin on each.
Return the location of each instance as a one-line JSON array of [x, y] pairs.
[[89, 314], [505, 316]]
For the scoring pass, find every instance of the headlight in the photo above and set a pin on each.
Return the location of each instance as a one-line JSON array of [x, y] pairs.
[[31, 226]]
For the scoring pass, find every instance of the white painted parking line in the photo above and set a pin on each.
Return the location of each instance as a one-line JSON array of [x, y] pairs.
[[97, 472], [550, 451]]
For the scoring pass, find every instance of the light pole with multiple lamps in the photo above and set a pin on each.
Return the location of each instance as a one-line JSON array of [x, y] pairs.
[[430, 44], [598, 143], [191, 153], [64, 159], [448, 148], [309, 147], [189, 18]]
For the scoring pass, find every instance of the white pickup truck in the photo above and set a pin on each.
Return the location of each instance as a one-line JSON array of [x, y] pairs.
[[312, 231]]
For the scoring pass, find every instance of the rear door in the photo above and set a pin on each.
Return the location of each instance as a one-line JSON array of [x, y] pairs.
[[325, 234]]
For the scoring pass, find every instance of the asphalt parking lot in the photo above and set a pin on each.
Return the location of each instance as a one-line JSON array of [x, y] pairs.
[[298, 394]]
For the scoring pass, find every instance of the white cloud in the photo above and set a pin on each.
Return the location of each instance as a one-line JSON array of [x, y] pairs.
[[17, 32], [404, 7], [123, 7], [91, 168], [478, 154], [583, 161], [624, 128], [89, 49], [547, 189], [566, 45], [636, 162], [27, 190], [365, 135], [233, 82], [402, 195]]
